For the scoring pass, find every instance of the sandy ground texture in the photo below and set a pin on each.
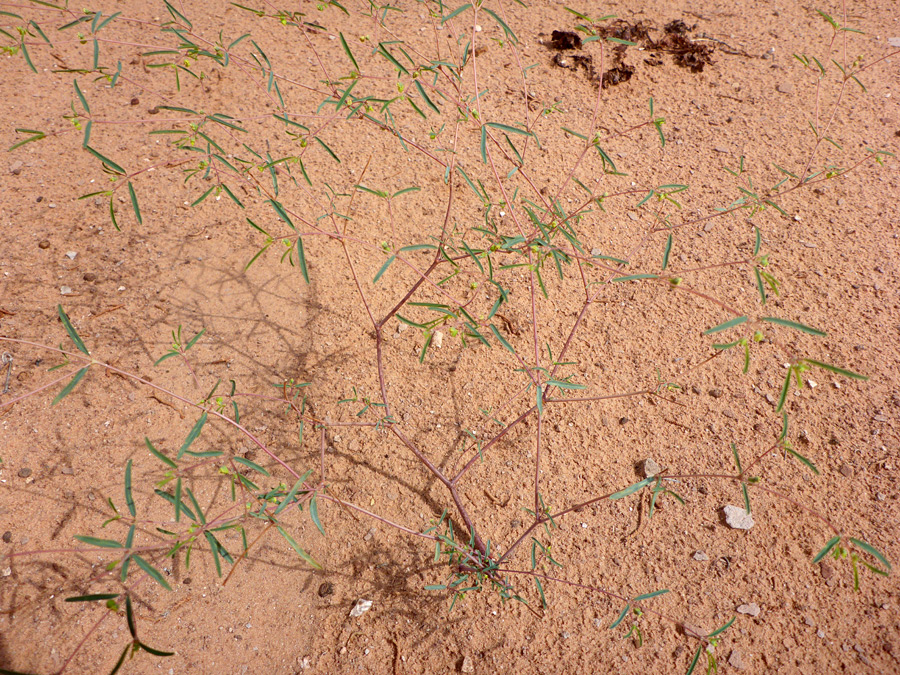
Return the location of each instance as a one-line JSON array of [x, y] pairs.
[[728, 86]]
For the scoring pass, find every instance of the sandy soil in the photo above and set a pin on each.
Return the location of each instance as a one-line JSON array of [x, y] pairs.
[[836, 253]]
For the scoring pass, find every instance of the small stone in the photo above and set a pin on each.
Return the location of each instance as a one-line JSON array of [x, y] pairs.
[[467, 665], [565, 635], [187, 581], [135, 101], [696, 390], [880, 496], [750, 609], [724, 151], [709, 226], [785, 87], [846, 471], [44, 243], [825, 570], [821, 633], [71, 255], [649, 468], [371, 533], [700, 556], [65, 290], [715, 393], [16, 167], [326, 588], [734, 660], [596, 251], [809, 622], [402, 327], [68, 471], [632, 215], [737, 518], [6, 572], [438, 339], [624, 420], [7, 537], [24, 472], [89, 276], [360, 608]]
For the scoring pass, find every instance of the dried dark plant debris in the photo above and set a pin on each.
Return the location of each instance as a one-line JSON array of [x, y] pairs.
[[674, 41], [565, 39]]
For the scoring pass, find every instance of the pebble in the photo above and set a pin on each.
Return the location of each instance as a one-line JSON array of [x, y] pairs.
[[89, 276], [785, 87], [44, 243], [750, 609], [24, 472], [360, 608], [16, 167], [467, 665], [68, 471], [737, 518], [722, 150], [734, 660], [700, 556], [846, 471], [65, 290], [438, 339], [715, 393], [7, 537], [649, 468], [326, 588], [71, 255], [825, 570], [624, 420]]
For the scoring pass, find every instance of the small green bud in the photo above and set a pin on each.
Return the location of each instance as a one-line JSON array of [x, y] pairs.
[[764, 260], [675, 281], [758, 336]]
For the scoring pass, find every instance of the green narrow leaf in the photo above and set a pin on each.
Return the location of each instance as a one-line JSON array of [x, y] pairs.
[[192, 436], [871, 550], [383, 269], [758, 239], [427, 100], [69, 387], [507, 31], [835, 369], [134, 204], [252, 465], [87, 133], [303, 554], [301, 258], [746, 497], [621, 616], [203, 196], [81, 98], [289, 497], [501, 339], [184, 508], [826, 549], [760, 286], [129, 497], [631, 489], [654, 594], [793, 324], [71, 331], [36, 136], [737, 459], [155, 652], [314, 514], [804, 460], [108, 162], [153, 572], [129, 542], [634, 277], [725, 326], [348, 52], [455, 12], [213, 546], [129, 614], [94, 541], [177, 501], [121, 660], [666, 253], [327, 149], [160, 456], [694, 660], [719, 631], [27, 56], [784, 390], [92, 598]]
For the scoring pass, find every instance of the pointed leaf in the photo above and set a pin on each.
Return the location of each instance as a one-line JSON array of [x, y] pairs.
[[725, 326], [303, 554], [871, 550], [134, 204], [835, 369], [630, 490], [70, 386], [192, 436], [129, 497], [71, 331], [826, 549], [794, 325], [152, 571]]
